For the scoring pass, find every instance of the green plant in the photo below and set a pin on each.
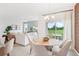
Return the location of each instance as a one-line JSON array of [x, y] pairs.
[[8, 28]]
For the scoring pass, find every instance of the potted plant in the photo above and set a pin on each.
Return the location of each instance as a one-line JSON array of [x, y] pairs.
[[8, 28]]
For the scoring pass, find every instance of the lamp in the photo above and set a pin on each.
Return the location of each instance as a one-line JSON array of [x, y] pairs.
[[49, 17]]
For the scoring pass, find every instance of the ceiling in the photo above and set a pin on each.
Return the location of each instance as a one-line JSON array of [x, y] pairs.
[[18, 10]]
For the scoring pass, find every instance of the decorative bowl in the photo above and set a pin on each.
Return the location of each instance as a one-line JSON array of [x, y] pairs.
[[45, 39]]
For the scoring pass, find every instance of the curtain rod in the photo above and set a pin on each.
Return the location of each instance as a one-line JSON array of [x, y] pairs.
[[57, 12]]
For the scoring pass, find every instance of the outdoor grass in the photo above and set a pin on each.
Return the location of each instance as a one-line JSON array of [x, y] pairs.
[[51, 31]]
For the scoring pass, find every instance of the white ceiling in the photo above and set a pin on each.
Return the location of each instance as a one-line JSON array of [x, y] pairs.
[[18, 10]]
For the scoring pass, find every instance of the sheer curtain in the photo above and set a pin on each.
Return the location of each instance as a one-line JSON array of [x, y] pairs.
[[67, 25]]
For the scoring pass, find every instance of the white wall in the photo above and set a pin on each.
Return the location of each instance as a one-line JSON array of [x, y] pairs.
[[2, 26], [42, 27]]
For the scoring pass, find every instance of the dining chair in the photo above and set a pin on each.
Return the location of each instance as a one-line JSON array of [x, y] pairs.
[[39, 50], [61, 45], [9, 46], [32, 36], [63, 50], [2, 40]]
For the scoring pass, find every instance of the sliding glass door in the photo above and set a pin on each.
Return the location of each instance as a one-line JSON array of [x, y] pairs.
[[60, 26], [55, 29]]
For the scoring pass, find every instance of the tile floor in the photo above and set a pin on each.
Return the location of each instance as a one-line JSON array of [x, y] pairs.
[[19, 50]]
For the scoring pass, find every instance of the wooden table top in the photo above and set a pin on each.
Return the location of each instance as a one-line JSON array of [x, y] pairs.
[[42, 42]]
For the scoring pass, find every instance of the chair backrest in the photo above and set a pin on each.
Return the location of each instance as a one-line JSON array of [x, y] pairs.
[[32, 36], [61, 45], [64, 50], [2, 40], [39, 50], [9, 45]]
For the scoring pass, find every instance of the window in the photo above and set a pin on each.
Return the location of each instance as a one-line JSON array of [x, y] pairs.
[[30, 26], [56, 29], [14, 27]]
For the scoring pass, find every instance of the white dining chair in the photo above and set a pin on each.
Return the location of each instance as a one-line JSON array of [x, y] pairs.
[[39, 50], [2, 40], [9, 46], [61, 45], [32, 36], [63, 50]]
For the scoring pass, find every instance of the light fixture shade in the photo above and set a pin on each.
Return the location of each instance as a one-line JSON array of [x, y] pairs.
[[52, 16], [48, 17]]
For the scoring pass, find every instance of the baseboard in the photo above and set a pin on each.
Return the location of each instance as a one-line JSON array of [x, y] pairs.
[[75, 51]]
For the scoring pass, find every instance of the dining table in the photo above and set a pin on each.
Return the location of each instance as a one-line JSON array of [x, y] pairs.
[[48, 44]]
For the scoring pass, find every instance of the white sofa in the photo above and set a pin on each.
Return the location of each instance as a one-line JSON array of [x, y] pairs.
[[24, 39], [21, 38]]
